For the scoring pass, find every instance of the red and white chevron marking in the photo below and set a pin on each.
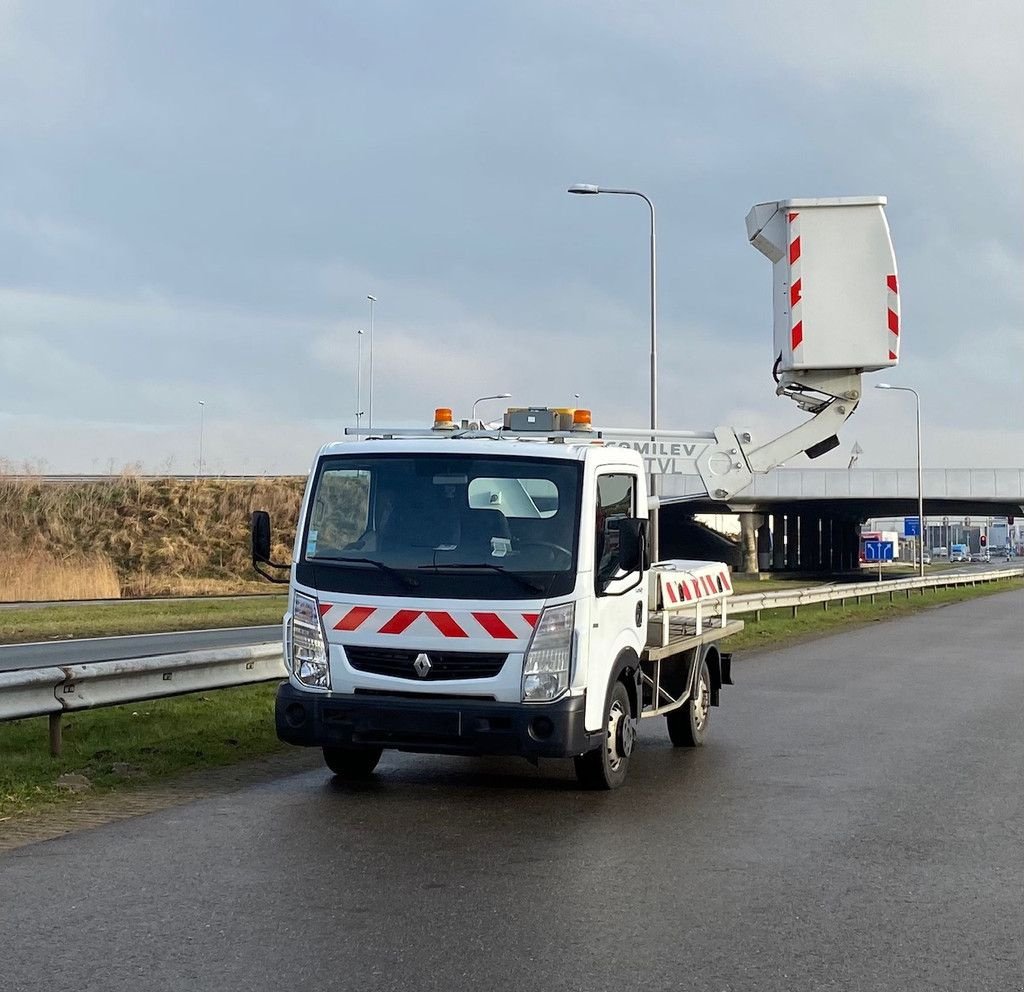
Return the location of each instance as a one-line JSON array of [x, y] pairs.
[[680, 588], [893, 317], [796, 290], [503, 625]]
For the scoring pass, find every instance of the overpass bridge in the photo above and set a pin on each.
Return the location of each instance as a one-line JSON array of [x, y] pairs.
[[808, 519]]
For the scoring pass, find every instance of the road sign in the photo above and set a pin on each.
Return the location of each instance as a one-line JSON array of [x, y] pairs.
[[911, 526], [878, 550]]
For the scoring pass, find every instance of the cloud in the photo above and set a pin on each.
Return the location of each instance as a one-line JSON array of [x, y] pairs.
[[197, 203]]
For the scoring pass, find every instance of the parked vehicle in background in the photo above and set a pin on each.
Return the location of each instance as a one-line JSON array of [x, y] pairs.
[[979, 556], [927, 558]]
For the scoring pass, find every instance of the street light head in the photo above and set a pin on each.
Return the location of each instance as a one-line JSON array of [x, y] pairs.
[[882, 385], [360, 331], [372, 299], [584, 188]]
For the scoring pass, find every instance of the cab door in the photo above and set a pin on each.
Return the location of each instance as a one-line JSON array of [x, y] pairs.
[[619, 618]]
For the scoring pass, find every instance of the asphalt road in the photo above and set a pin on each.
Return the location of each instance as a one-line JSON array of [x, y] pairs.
[[855, 822], [77, 651]]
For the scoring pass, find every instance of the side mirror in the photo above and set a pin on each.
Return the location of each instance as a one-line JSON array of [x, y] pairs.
[[260, 530], [634, 555]]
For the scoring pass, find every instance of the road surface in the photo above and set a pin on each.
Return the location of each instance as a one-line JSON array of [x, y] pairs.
[[855, 822], [77, 651]]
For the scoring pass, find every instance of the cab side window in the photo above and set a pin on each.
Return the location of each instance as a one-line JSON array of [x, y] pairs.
[[616, 500]]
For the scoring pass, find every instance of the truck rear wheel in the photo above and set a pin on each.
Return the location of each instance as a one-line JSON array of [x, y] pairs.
[[352, 762], [688, 725], [605, 767]]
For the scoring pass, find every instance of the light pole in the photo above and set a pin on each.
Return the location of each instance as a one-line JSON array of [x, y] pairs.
[[496, 396], [202, 417], [920, 473], [587, 188], [359, 379], [369, 408]]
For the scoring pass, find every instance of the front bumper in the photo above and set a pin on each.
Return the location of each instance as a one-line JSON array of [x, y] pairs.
[[433, 725]]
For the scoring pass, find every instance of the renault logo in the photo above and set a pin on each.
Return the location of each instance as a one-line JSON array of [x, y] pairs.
[[422, 665]]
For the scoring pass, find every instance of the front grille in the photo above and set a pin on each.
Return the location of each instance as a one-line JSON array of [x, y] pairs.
[[445, 666]]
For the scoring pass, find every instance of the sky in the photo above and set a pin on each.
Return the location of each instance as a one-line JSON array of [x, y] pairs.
[[196, 199]]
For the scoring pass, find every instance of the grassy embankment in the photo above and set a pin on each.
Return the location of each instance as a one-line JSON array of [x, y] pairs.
[[136, 537], [127, 746], [18, 626]]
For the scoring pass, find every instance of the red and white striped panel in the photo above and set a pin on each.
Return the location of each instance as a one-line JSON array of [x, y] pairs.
[[684, 584], [893, 317], [503, 625], [796, 291]]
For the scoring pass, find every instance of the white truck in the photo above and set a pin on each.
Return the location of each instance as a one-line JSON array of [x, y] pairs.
[[461, 590]]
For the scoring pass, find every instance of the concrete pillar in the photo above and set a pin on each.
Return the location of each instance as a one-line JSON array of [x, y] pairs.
[[792, 542], [808, 542], [828, 544], [778, 542], [749, 522], [851, 531], [764, 546]]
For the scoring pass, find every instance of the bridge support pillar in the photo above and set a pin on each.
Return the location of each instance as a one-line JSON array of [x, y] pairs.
[[764, 545], [792, 542], [829, 551], [778, 542], [749, 523], [810, 543], [846, 546]]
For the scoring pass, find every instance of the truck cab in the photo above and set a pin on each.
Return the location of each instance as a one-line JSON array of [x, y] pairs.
[[483, 595]]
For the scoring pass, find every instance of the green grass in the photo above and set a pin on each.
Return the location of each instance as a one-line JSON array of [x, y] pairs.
[[60, 622], [163, 738], [778, 627], [157, 739]]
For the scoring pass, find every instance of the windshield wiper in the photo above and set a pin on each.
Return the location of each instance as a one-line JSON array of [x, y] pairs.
[[521, 579], [406, 580]]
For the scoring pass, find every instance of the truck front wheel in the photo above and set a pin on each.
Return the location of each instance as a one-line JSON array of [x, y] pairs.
[[688, 725], [605, 767], [352, 762]]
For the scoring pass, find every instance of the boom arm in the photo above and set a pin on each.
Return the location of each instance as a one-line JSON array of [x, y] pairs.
[[726, 461], [836, 315]]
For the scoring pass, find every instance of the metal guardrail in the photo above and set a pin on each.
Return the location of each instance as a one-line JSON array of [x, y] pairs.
[[775, 599], [56, 690]]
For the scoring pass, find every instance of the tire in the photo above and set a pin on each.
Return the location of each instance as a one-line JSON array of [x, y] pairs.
[[605, 767], [352, 763], [688, 725]]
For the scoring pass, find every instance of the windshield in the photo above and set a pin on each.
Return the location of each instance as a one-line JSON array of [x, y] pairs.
[[458, 525]]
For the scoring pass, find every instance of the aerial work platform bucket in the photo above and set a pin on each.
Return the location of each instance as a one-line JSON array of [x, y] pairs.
[[835, 294]]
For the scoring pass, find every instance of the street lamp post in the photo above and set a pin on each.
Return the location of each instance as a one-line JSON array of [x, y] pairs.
[[359, 379], [496, 396], [586, 188], [202, 417], [369, 408], [920, 473]]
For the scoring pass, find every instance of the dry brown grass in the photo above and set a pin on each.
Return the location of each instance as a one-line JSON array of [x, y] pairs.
[[36, 575], [161, 536]]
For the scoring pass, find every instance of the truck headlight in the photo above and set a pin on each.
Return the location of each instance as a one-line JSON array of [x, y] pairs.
[[309, 659], [548, 659]]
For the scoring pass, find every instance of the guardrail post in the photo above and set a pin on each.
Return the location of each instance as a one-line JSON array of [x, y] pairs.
[[795, 608], [56, 737]]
